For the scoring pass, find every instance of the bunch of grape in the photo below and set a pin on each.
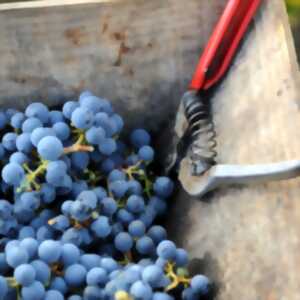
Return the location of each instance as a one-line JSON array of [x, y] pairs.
[[79, 210]]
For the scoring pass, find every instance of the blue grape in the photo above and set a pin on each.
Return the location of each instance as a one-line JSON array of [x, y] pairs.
[[89, 261], [50, 148], [26, 232], [145, 245], [47, 193], [200, 284], [75, 297], [107, 146], [39, 133], [30, 245], [137, 228], [109, 264], [10, 245], [141, 290], [56, 116], [9, 141], [2, 151], [119, 188], [162, 296], [157, 233], [97, 276], [18, 158], [23, 143], [102, 120], [56, 171], [92, 293], [6, 209], [82, 118], [163, 187], [158, 204], [134, 187], [3, 120], [109, 206], [30, 200], [124, 216], [70, 254], [123, 242], [101, 227], [117, 119], [3, 287], [53, 295], [69, 108], [135, 204], [95, 135], [30, 124], [49, 251], [59, 284], [75, 275], [24, 274], [73, 236], [78, 187], [115, 175], [132, 160], [166, 250], [80, 160], [89, 198], [146, 153], [84, 94], [13, 174], [62, 130], [17, 120], [140, 138], [44, 233], [107, 165], [16, 256], [181, 258], [152, 275], [117, 228], [35, 291], [38, 110]]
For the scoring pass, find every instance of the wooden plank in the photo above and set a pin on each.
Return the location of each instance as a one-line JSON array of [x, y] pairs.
[[138, 53], [248, 239]]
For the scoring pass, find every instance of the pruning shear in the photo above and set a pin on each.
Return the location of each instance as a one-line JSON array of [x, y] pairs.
[[193, 155]]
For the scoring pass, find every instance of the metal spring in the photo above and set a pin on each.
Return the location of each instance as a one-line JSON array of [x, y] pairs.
[[201, 133]]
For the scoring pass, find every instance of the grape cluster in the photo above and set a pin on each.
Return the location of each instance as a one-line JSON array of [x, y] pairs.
[[80, 209]]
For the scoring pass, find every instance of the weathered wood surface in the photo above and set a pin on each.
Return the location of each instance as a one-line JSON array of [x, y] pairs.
[[138, 53], [141, 55], [249, 238]]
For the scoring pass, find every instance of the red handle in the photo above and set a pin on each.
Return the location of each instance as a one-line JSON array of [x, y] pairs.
[[223, 43]]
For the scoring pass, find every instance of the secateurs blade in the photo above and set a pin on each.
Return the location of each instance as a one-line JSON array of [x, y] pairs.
[[195, 147]]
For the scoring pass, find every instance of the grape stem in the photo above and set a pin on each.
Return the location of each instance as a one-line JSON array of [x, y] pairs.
[[79, 146], [175, 279]]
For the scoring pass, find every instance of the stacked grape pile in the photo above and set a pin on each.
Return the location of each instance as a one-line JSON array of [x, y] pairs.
[[80, 216]]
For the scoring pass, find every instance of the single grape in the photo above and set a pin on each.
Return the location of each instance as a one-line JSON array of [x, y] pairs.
[[75, 275], [115, 175], [141, 290], [146, 153], [38, 110], [135, 204], [80, 160], [26, 232], [200, 284], [62, 130], [89, 261], [140, 138], [24, 274], [145, 245], [56, 116], [59, 284], [9, 141], [163, 187], [109, 206], [137, 229], [47, 193], [70, 254], [50, 251], [53, 295], [95, 135], [16, 256], [35, 291], [24, 143], [157, 233], [166, 250], [97, 276], [101, 227], [181, 258], [123, 242], [17, 120], [30, 124], [92, 293], [50, 148], [68, 108], [82, 118], [152, 275], [118, 188], [30, 245], [107, 146], [19, 158], [162, 296]]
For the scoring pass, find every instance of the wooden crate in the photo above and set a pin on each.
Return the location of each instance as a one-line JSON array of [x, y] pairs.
[[141, 54]]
